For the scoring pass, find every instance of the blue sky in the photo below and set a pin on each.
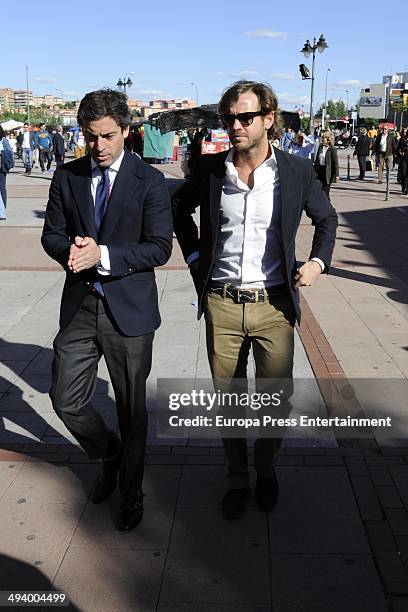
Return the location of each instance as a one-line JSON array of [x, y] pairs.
[[78, 46]]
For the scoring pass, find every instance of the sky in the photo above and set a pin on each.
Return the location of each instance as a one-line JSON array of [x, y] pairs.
[[78, 46]]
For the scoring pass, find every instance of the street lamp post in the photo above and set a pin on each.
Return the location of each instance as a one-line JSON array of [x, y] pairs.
[[347, 107], [126, 82], [308, 49], [196, 88], [28, 97], [62, 94], [325, 101]]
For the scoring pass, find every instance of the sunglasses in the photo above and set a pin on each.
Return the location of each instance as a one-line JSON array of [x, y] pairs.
[[245, 119]]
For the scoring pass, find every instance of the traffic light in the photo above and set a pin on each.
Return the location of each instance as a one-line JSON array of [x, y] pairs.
[[304, 71]]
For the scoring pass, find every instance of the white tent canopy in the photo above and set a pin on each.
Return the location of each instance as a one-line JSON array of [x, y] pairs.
[[11, 124]]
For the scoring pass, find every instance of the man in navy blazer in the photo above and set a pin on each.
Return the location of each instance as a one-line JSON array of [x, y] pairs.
[[243, 264], [108, 223]]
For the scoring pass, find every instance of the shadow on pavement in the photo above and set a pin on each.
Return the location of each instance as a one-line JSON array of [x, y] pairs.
[[29, 428], [382, 234]]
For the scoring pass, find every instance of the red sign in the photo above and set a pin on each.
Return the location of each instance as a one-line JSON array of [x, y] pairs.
[[213, 147]]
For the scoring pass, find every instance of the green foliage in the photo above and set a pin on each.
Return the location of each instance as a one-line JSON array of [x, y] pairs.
[[304, 124], [7, 114], [335, 109]]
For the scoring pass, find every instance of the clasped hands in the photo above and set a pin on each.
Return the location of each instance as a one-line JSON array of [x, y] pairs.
[[83, 254]]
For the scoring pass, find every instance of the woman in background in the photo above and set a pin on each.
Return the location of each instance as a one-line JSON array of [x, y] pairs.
[[326, 163]]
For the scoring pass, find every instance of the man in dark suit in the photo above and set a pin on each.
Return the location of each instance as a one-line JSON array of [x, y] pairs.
[[108, 223], [243, 264], [58, 146]]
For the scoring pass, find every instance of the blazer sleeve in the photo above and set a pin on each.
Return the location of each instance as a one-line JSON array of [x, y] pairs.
[[184, 202], [155, 245], [54, 239], [324, 219], [335, 161]]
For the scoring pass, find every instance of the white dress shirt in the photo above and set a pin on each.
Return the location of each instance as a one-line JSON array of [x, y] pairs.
[[249, 248], [249, 245], [104, 267], [322, 156]]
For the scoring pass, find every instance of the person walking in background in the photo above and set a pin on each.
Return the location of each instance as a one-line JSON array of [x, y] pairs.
[[45, 146], [58, 145], [362, 151], [36, 150], [303, 146], [6, 163], [79, 145], [287, 139], [28, 146], [402, 153], [372, 134], [326, 162], [384, 147]]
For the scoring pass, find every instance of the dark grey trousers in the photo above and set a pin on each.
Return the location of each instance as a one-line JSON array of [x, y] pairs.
[[77, 350]]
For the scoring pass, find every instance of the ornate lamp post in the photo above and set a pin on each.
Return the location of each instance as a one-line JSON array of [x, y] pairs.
[[324, 114], [308, 50], [126, 82], [196, 88]]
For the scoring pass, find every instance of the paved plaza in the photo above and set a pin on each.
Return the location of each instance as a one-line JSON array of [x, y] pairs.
[[338, 537]]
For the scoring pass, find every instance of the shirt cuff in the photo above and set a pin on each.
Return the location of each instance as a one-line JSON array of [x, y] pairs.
[[104, 266], [319, 261], [192, 257]]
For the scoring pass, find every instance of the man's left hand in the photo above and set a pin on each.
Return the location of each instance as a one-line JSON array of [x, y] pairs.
[[307, 274], [84, 254]]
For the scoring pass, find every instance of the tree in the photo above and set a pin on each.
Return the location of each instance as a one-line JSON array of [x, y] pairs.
[[335, 109]]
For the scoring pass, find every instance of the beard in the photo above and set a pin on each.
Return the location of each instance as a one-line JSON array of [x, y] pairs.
[[245, 143]]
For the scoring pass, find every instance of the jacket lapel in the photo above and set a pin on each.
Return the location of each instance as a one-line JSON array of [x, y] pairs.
[[216, 182], [284, 162], [124, 188], [81, 190]]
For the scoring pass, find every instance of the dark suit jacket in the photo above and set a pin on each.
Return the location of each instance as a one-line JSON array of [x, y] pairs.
[[300, 190], [58, 146], [362, 146], [331, 163], [390, 145], [136, 228]]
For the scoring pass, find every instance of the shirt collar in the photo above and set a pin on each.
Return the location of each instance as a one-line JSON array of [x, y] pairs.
[[232, 171], [114, 167]]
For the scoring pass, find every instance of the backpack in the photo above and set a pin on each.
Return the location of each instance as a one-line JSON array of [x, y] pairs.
[[7, 157]]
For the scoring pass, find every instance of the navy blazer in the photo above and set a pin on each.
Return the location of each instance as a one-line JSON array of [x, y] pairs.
[[136, 228], [300, 191]]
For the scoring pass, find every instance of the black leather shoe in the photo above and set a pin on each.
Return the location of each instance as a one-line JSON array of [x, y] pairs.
[[107, 477], [267, 492], [130, 514], [233, 503]]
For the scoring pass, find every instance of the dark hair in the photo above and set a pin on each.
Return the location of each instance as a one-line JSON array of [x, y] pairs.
[[2, 133], [104, 103], [265, 94]]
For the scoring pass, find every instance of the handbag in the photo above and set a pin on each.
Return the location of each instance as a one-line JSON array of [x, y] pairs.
[[369, 165]]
